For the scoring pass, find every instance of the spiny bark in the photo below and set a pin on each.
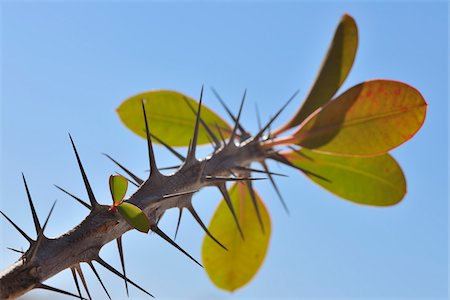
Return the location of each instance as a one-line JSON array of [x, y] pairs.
[[47, 257]]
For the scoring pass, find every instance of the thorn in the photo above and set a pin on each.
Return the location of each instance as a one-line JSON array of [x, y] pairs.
[[208, 130], [83, 281], [255, 204], [170, 168], [202, 225], [129, 180], [159, 232], [226, 196], [266, 168], [92, 199], [258, 117], [15, 250], [151, 154], [300, 153], [220, 134], [225, 179], [18, 228], [122, 261], [135, 178], [179, 194], [117, 273], [259, 134], [53, 289], [74, 275], [74, 197], [248, 169], [233, 133], [48, 217], [171, 149], [279, 158], [99, 279], [178, 223], [37, 225], [191, 155], [230, 114]]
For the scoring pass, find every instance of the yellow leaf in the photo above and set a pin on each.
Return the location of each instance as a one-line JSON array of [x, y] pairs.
[[232, 269]]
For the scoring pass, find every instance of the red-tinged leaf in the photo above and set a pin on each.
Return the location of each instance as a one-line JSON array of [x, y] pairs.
[[377, 181], [232, 269], [118, 186], [134, 216], [369, 119], [335, 68]]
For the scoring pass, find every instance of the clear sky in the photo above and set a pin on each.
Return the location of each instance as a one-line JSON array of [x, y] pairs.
[[67, 66]]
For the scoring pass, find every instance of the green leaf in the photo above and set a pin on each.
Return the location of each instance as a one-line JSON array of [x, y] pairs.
[[377, 181], [118, 186], [134, 216], [232, 269], [333, 72], [369, 119], [169, 117]]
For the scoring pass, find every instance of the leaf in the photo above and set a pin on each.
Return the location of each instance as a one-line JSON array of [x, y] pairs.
[[333, 72], [134, 216], [377, 181], [169, 117], [118, 186], [232, 269], [369, 119]]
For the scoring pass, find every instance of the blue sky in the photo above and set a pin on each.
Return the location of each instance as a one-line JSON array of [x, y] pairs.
[[67, 66]]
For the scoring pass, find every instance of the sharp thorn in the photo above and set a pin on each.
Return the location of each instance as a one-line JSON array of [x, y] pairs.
[[83, 280], [208, 130], [225, 179], [151, 154], [170, 168], [74, 197], [18, 228], [122, 261], [56, 290], [226, 196], [279, 158], [202, 225], [171, 149], [92, 199], [48, 217], [131, 174], [159, 232], [266, 168], [178, 223], [255, 204], [300, 153], [74, 275], [258, 117], [220, 133], [117, 273], [260, 133], [179, 194], [15, 250], [248, 169], [230, 114], [193, 149], [236, 126], [37, 225], [99, 279]]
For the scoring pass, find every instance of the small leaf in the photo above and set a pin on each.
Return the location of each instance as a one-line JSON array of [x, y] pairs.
[[335, 68], [118, 186], [369, 119], [134, 216], [232, 269], [169, 117], [377, 181]]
